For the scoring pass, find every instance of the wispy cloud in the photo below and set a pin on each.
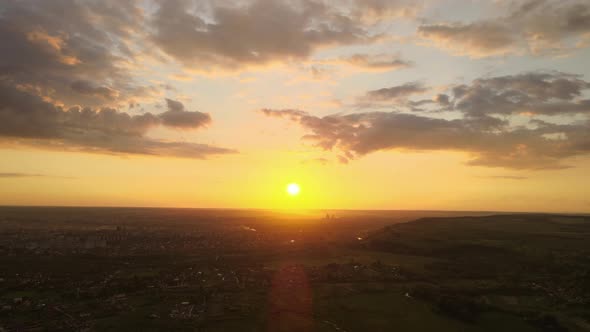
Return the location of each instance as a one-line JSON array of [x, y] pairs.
[[506, 177], [31, 175]]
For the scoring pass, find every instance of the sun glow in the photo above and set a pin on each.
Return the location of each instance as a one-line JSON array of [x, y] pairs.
[[293, 189]]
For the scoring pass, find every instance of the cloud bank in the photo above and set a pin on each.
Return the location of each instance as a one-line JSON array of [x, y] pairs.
[[536, 27], [484, 130], [58, 55], [69, 71], [232, 35], [28, 119]]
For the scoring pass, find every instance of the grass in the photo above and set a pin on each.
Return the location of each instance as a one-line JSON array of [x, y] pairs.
[[393, 311]]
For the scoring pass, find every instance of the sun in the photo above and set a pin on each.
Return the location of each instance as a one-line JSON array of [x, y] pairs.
[[293, 189]]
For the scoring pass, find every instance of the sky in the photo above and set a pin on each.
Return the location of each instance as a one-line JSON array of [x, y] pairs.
[[366, 104]]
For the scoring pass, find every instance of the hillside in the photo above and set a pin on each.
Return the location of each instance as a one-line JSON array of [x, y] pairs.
[[534, 266]]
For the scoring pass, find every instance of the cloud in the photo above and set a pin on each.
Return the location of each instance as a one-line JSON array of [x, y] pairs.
[[396, 95], [28, 119], [505, 177], [53, 44], [359, 134], [318, 161], [484, 130], [257, 32], [533, 93], [475, 39], [17, 175], [548, 93], [375, 62], [376, 10], [178, 117], [29, 175], [534, 27], [87, 88], [57, 55], [440, 102], [73, 52], [396, 92]]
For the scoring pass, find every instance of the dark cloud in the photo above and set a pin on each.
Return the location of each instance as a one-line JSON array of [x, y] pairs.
[[440, 102], [475, 39], [484, 130], [442, 99], [56, 55], [533, 93], [52, 46], [519, 148], [27, 119], [178, 117], [536, 27], [72, 52], [87, 88], [396, 92], [537, 93], [174, 105], [377, 62], [232, 35], [389, 96]]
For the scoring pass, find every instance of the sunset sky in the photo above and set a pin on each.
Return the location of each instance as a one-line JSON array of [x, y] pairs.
[[366, 104]]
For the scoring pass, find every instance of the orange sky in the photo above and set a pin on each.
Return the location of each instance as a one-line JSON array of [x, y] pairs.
[[434, 105]]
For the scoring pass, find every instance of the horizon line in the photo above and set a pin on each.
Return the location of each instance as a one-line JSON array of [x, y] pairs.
[[288, 209]]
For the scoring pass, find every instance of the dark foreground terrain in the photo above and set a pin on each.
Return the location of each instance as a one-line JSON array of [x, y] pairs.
[[103, 269]]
